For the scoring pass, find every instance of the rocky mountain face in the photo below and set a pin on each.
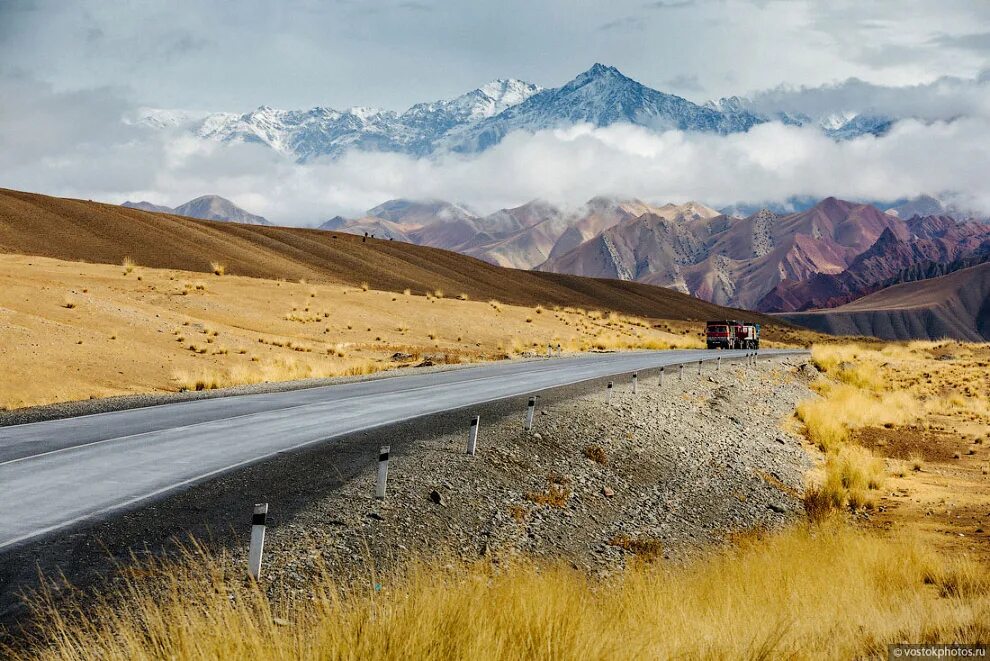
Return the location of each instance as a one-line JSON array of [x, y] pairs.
[[826, 255], [475, 121], [206, 207], [733, 261], [935, 246], [521, 237]]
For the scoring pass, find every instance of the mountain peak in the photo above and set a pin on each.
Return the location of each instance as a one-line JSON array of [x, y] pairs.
[[598, 69], [601, 73]]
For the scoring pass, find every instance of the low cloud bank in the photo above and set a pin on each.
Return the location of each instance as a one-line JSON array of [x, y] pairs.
[[74, 144]]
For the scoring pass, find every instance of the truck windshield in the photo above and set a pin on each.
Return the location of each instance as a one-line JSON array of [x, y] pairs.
[[718, 329]]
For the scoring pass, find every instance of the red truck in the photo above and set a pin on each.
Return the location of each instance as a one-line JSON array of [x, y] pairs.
[[730, 334]]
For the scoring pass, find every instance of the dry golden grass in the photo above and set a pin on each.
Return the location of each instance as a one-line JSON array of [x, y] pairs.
[[323, 326], [819, 592], [911, 395]]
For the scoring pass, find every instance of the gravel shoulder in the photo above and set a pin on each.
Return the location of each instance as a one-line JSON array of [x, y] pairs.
[[675, 467], [678, 467]]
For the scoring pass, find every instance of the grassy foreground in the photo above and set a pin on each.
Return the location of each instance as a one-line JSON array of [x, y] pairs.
[[811, 592]]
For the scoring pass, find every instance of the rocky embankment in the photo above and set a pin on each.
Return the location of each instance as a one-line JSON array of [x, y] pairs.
[[665, 471]]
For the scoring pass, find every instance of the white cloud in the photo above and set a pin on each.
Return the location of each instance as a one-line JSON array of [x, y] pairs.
[[76, 145], [945, 98]]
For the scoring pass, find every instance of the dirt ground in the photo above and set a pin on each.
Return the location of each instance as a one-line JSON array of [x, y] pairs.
[[947, 501], [938, 482]]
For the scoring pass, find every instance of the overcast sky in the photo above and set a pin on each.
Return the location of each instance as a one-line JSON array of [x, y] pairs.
[[71, 70], [236, 55]]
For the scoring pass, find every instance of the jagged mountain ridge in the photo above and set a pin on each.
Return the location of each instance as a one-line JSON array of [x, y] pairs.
[[719, 258], [936, 245], [829, 254], [521, 237], [481, 118]]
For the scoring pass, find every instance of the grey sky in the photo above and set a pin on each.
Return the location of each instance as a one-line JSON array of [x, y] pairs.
[[71, 71], [392, 53]]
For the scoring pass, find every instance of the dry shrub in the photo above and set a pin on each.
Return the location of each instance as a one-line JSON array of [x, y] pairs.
[[128, 265], [218, 268], [555, 495], [648, 549], [820, 502], [596, 453], [518, 513]]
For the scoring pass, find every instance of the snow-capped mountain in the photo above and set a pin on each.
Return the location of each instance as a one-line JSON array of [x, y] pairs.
[[473, 122], [602, 96], [328, 132]]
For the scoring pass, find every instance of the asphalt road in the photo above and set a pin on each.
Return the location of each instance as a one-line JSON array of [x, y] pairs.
[[58, 473]]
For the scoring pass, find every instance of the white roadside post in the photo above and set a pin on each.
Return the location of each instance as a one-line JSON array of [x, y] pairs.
[[699, 368], [530, 410], [635, 383], [680, 371], [382, 472], [257, 540], [609, 392], [472, 445], [549, 351], [661, 378], [718, 364]]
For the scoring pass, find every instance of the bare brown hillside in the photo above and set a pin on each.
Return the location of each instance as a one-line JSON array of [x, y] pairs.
[[78, 230], [953, 306]]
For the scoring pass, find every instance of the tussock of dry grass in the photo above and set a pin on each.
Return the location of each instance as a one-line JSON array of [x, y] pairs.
[[274, 370], [823, 592]]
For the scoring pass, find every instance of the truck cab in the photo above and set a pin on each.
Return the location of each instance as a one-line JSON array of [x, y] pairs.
[[721, 334], [732, 334]]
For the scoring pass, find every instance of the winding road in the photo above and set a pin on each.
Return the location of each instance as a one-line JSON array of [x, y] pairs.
[[58, 473]]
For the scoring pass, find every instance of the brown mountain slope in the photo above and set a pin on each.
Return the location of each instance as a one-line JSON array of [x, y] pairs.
[[730, 261], [955, 305], [67, 229], [936, 246]]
